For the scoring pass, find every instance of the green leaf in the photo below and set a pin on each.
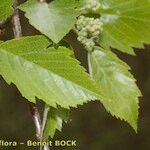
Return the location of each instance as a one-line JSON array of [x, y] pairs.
[[54, 20], [126, 24], [46, 73], [117, 83], [55, 120], [5, 9]]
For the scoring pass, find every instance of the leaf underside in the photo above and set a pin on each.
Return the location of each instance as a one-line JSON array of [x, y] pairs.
[[126, 24], [54, 20], [112, 75]]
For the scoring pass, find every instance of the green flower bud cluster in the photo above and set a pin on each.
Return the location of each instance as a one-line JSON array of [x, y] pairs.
[[88, 30], [92, 5]]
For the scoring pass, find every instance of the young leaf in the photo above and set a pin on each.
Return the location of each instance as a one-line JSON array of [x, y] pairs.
[[54, 20], [126, 24], [5, 9], [55, 120], [118, 84], [49, 74]]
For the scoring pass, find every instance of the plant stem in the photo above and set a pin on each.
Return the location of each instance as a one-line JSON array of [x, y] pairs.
[[16, 21], [33, 108], [45, 113], [89, 64], [36, 119], [42, 1]]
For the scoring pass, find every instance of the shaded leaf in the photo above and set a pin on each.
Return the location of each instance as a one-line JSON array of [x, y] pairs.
[[54, 20], [117, 83]]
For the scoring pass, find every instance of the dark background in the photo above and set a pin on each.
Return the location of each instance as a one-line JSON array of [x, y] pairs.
[[90, 125]]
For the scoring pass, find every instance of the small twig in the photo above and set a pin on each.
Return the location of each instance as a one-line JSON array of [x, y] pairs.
[[16, 21], [37, 120]]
